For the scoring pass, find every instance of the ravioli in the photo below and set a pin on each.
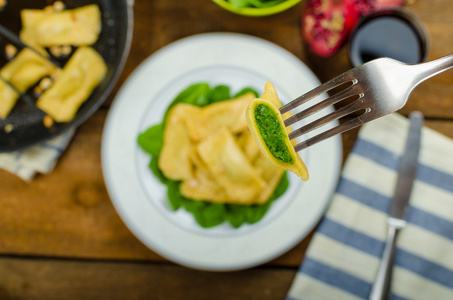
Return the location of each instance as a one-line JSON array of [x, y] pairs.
[[248, 145], [270, 174], [203, 185], [209, 119], [82, 73], [24, 71], [266, 124], [78, 27], [230, 166], [174, 159]]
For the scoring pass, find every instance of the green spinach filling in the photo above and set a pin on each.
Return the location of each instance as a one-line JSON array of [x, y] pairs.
[[272, 133]]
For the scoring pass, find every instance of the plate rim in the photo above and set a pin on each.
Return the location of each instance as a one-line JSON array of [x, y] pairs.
[[132, 223]]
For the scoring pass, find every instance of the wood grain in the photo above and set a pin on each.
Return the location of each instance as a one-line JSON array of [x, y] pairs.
[[65, 279], [67, 213], [60, 236]]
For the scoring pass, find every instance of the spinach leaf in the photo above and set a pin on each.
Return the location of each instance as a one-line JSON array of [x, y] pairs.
[[154, 167], [196, 94], [152, 139], [255, 3], [239, 3], [193, 205], [265, 3], [219, 93], [210, 215], [174, 194], [245, 91], [281, 187], [235, 214]]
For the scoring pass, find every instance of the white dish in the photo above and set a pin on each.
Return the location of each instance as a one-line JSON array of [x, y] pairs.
[[216, 58]]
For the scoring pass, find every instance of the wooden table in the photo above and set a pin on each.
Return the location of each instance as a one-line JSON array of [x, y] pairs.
[[60, 237]]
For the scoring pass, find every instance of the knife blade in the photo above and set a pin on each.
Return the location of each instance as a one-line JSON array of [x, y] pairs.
[[397, 217], [407, 167]]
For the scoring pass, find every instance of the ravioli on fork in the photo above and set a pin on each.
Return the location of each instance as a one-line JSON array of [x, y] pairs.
[[266, 124]]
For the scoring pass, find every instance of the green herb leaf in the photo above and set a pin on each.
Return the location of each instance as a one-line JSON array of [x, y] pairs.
[[152, 139], [235, 214], [239, 3], [256, 212], [245, 91], [281, 187], [219, 93], [192, 205], [196, 94], [174, 194], [153, 166], [255, 3], [212, 214], [264, 3]]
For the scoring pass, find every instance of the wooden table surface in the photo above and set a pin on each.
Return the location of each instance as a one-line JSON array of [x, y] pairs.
[[61, 238]]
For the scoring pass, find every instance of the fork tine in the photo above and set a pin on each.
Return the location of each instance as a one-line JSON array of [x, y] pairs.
[[329, 85], [27, 98], [357, 121], [342, 95], [335, 115], [14, 39]]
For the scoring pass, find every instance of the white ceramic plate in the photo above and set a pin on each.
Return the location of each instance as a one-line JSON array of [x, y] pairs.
[[216, 58]]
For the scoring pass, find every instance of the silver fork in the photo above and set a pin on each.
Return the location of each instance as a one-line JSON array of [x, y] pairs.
[[376, 88]]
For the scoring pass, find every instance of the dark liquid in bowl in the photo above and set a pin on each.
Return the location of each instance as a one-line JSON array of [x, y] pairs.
[[387, 36]]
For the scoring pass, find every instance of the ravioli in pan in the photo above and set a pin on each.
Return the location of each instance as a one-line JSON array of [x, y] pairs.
[[267, 126], [78, 27], [56, 32], [206, 155], [25, 70], [80, 76]]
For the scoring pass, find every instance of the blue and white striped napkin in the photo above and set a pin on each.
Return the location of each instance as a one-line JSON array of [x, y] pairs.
[[40, 158], [344, 255]]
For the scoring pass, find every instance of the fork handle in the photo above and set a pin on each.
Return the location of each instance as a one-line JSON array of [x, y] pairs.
[[429, 69]]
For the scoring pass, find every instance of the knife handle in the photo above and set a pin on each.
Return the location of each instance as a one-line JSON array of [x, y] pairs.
[[381, 286]]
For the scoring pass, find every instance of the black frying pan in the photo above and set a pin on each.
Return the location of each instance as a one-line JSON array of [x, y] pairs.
[[113, 44]]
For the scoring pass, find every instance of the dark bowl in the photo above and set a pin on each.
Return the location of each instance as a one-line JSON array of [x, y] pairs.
[[393, 33]]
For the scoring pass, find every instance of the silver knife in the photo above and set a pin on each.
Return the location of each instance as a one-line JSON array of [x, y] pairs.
[[397, 218]]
